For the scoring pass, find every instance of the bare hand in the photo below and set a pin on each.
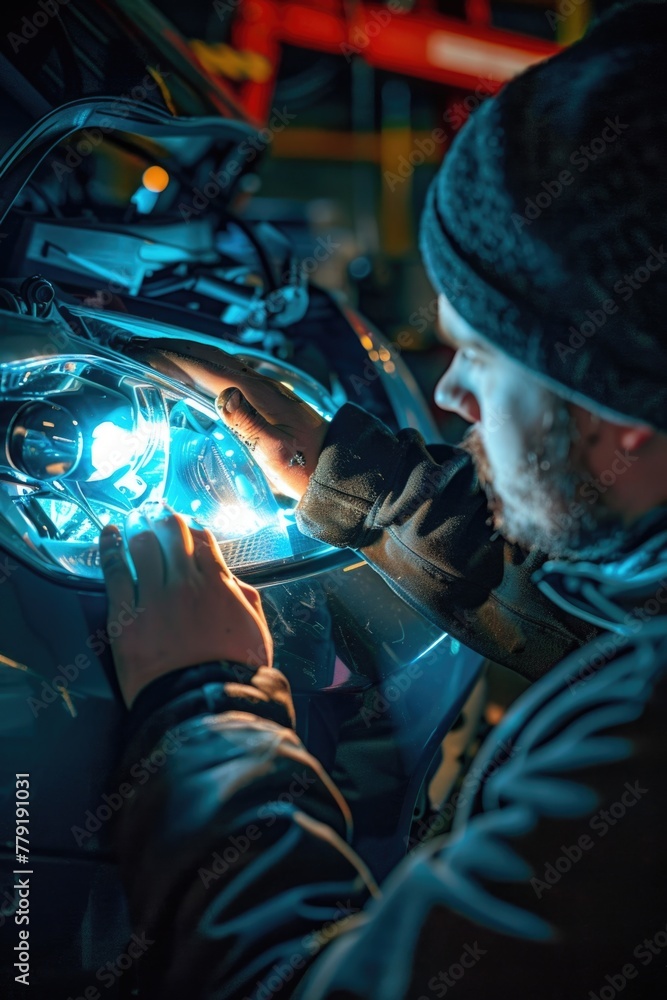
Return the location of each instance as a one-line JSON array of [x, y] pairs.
[[188, 607], [284, 434]]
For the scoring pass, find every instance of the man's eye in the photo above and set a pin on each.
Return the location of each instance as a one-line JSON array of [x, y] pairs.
[[470, 354]]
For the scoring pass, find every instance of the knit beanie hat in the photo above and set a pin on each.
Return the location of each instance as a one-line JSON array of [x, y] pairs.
[[546, 225]]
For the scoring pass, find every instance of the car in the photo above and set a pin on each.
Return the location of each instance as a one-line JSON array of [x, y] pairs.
[[111, 131]]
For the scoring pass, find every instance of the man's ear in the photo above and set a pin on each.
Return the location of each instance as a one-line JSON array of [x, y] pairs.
[[632, 437], [595, 430]]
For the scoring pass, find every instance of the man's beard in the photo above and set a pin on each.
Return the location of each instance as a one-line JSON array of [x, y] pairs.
[[541, 507]]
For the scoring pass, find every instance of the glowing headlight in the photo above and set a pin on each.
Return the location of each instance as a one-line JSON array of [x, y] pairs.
[[85, 440]]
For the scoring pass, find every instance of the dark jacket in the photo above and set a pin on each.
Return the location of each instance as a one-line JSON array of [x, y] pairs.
[[235, 854]]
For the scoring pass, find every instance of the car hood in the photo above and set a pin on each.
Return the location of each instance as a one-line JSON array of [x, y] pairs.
[[124, 71], [106, 115]]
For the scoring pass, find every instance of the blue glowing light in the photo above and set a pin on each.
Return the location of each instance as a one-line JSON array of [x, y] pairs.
[[112, 448]]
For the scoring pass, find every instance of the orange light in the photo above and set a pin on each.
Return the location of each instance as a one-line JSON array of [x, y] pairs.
[[155, 179]]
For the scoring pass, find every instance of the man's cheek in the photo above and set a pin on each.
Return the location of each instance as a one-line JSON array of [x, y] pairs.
[[487, 463]]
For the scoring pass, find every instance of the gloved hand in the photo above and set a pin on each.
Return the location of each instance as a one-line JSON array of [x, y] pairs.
[[188, 607], [284, 434]]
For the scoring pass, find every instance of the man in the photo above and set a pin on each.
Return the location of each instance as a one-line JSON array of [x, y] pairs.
[[553, 882]]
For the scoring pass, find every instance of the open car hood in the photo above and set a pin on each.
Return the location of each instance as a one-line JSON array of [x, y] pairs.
[[124, 72], [107, 115]]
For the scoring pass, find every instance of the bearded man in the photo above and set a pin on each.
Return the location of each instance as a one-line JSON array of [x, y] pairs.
[[542, 539]]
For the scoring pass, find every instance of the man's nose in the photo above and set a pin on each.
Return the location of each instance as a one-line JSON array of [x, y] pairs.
[[451, 394]]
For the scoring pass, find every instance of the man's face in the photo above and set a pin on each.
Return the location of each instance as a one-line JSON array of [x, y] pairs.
[[529, 455]]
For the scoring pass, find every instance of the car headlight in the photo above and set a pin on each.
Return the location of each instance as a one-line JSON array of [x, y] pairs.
[[86, 440]]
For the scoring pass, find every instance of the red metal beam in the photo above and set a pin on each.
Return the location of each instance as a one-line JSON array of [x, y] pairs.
[[420, 43]]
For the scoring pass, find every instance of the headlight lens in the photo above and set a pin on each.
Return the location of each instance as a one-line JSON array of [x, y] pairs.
[[85, 440], [44, 441]]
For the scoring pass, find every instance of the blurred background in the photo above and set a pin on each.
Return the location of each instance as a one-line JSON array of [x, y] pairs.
[[360, 102]]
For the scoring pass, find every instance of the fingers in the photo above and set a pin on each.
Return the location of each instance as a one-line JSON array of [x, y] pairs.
[[168, 364], [147, 557], [254, 601], [204, 375], [208, 555], [198, 365], [214, 372], [251, 595], [242, 418], [177, 545], [117, 575], [211, 561], [188, 350], [212, 565], [276, 403]]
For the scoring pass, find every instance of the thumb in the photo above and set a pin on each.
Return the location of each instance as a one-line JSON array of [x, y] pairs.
[[244, 420]]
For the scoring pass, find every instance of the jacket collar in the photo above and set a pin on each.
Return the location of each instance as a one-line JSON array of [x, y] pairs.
[[623, 586]]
